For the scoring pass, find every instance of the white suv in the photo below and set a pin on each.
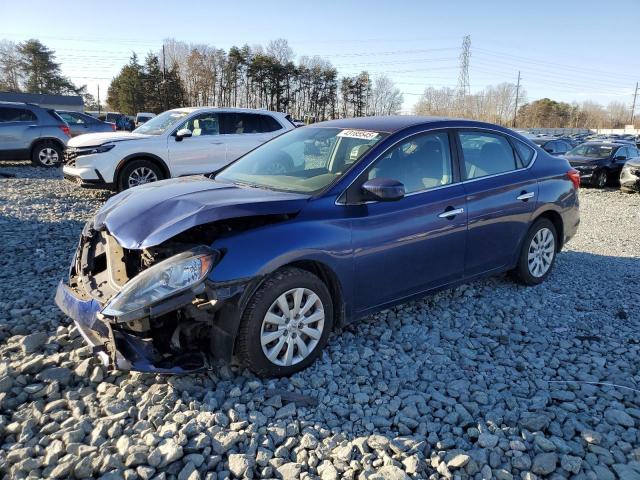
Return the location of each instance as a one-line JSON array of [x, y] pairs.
[[177, 142]]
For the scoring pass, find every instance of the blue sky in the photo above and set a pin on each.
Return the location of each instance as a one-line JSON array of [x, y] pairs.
[[566, 50]]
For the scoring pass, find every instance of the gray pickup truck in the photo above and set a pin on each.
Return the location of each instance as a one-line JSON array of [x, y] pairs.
[[30, 132]]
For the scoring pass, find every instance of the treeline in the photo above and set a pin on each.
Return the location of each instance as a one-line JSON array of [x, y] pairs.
[[497, 104], [251, 77], [31, 67]]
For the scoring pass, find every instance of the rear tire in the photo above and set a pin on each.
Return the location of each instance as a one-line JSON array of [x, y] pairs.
[[138, 172], [272, 341], [538, 253], [46, 154]]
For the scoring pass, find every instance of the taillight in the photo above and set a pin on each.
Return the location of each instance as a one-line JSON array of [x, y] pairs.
[[113, 127], [574, 176], [66, 130]]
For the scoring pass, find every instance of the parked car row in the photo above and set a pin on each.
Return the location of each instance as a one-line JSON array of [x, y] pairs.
[[602, 160]]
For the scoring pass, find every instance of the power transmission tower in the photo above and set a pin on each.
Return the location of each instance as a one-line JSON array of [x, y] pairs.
[[464, 88], [633, 106], [515, 111]]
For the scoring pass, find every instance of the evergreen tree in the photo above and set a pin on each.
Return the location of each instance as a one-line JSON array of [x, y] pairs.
[[41, 72]]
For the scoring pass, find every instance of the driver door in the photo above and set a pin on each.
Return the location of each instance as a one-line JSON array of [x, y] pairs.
[[417, 243], [203, 152]]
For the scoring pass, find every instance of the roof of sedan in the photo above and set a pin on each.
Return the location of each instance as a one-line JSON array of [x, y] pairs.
[[395, 123]]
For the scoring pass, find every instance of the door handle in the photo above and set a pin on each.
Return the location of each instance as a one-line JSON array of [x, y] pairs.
[[217, 143], [524, 196], [451, 213]]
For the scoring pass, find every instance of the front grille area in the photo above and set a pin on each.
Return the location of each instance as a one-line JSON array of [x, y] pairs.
[[70, 155]]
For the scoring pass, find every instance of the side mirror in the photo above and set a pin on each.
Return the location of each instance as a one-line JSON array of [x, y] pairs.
[[383, 189], [183, 133], [548, 149]]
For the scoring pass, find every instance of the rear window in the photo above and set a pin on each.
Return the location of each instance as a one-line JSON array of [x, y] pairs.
[[12, 114], [53, 114]]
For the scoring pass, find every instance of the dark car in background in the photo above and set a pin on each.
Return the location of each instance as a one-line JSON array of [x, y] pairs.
[[30, 132], [263, 259], [554, 146], [80, 123], [600, 163]]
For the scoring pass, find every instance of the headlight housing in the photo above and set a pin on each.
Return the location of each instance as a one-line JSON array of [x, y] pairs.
[[91, 150], [161, 281]]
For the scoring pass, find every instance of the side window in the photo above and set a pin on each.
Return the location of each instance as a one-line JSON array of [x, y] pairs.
[[27, 116], [621, 152], [239, 123], [563, 147], [525, 152], [420, 163], [269, 124], [551, 147], [77, 119], [203, 124], [16, 115], [71, 119], [485, 154]]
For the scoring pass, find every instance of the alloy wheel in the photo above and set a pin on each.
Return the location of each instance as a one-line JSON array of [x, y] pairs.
[[141, 175], [602, 179], [48, 156], [541, 251], [292, 327]]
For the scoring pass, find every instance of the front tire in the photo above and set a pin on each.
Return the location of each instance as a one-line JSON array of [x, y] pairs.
[[138, 172], [46, 154], [286, 324], [538, 253], [600, 179]]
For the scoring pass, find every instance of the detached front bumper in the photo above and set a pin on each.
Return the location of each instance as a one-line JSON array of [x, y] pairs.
[[115, 348]]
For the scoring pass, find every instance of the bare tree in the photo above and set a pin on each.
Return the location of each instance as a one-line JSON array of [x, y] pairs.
[[385, 98], [10, 73]]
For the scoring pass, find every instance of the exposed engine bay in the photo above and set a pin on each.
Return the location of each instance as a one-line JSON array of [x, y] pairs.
[[179, 334]]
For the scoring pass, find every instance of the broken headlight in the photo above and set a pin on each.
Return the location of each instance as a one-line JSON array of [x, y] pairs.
[[161, 281]]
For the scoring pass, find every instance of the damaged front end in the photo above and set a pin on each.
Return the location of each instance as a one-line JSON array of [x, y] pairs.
[[153, 309]]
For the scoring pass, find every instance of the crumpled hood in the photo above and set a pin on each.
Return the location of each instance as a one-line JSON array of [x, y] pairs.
[[150, 214], [95, 139]]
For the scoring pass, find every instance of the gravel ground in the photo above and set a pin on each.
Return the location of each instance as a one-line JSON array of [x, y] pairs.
[[490, 380]]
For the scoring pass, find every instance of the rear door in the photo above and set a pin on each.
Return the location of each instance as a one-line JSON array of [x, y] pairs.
[[243, 132], [203, 152], [501, 196]]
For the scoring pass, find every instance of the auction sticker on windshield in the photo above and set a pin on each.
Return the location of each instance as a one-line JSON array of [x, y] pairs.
[[363, 134]]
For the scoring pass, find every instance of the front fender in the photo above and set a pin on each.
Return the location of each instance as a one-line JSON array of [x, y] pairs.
[[259, 252]]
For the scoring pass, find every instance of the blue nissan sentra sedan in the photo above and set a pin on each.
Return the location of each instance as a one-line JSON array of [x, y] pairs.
[[327, 223]]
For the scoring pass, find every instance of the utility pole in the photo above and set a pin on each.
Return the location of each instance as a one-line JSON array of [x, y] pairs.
[[98, 99], [515, 111], [164, 79], [633, 106]]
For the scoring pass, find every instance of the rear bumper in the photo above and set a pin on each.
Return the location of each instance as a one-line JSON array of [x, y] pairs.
[[115, 348]]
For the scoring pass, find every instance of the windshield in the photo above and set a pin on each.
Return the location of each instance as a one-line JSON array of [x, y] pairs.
[[591, 151], [160, 124], [305, 160]]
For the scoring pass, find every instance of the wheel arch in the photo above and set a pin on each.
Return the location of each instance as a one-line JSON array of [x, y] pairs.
[[331, 280], [42, 140], [556, 219], [155, 159]]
